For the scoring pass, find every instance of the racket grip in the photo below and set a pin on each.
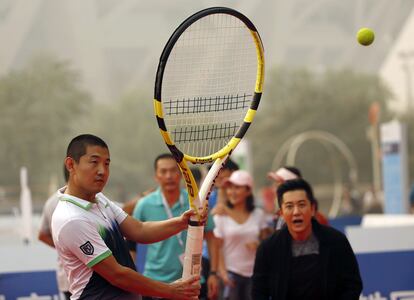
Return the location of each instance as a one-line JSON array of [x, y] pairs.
[[193, 251]]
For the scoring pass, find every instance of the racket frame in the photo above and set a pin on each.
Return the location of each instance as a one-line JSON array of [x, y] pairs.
[[197, 198]]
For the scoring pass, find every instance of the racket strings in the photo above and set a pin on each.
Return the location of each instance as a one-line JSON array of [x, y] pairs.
[[208, 84], [204, 105], [205, 133]]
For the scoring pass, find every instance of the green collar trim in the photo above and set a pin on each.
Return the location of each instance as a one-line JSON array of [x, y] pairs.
[[86, 205]]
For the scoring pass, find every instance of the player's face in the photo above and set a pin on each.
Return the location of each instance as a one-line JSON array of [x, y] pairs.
[[297, 212], [168, 175], [91, 173], [237, 194]]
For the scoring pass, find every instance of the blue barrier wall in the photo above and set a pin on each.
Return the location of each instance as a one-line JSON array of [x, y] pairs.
[[24, 284], [387, 275], [341, 223]]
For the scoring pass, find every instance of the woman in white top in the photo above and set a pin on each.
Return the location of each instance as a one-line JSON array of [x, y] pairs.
[[238, 232]]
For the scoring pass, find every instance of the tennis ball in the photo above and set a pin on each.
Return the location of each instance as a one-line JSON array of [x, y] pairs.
[[365, 36]]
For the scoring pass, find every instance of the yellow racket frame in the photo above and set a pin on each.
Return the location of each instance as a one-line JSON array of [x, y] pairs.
[[230, 146]]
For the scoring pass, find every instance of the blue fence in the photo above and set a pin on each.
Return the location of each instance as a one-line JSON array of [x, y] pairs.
[[40, 285], [386, 275]]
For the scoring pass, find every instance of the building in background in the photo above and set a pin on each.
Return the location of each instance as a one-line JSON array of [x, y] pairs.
[[398, 67]]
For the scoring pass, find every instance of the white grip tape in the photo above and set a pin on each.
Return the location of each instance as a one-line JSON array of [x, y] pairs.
[[193, 251]]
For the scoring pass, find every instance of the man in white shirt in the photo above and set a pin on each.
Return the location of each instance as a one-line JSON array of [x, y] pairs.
[[89, 230]]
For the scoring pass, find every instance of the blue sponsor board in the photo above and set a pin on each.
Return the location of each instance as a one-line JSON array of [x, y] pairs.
[[340, 223], [393, 179], [395, 167], [387, 275], [29, 285]]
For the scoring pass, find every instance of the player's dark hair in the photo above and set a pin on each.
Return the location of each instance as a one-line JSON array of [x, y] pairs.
[[77, 146], [295, 185], [162, 156]]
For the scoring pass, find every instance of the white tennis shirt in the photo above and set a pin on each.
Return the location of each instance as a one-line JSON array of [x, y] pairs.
[[84, 234], [45, 227]]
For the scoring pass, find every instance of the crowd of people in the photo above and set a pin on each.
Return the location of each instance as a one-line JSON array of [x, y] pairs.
[[283, 249]]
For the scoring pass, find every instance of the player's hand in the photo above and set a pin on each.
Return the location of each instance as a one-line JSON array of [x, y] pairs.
[[186, 289], [203, 213], [185, 217]]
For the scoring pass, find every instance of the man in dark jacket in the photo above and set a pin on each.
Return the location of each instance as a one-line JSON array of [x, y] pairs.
[[304, 260]]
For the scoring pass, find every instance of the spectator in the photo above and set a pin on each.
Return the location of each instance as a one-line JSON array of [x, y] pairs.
[[238, 234], [164, 259], [304, 260]]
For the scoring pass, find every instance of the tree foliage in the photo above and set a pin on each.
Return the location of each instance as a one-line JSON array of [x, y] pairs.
[[43, 106], [39, 105], [130, 129], [296, 101]]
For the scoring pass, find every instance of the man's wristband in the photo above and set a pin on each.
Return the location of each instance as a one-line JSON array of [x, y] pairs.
[[213, 273]]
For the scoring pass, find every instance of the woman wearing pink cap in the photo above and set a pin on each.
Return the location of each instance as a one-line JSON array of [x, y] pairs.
[[238, 234]]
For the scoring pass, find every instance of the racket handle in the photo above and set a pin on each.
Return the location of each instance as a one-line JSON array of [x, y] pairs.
[[193, 251]]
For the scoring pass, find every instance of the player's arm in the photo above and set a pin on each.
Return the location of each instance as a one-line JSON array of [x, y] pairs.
[[46, 238], [85, 242], [129, 280], [151, 232], [45, 233]]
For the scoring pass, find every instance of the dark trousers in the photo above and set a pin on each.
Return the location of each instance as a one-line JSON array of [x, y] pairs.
[[242, 287]]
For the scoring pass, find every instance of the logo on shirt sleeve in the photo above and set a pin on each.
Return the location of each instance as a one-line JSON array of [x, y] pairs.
[[87, 248]]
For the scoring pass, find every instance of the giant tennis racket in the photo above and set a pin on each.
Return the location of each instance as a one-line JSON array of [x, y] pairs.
[[208, 88]]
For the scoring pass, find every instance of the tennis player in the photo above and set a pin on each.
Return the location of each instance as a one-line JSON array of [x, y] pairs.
[[88, 232]]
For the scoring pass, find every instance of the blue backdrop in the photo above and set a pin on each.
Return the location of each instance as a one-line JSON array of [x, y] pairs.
[[386, 276]]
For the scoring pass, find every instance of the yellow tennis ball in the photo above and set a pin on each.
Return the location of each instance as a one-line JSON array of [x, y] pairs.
[[365, 36]]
